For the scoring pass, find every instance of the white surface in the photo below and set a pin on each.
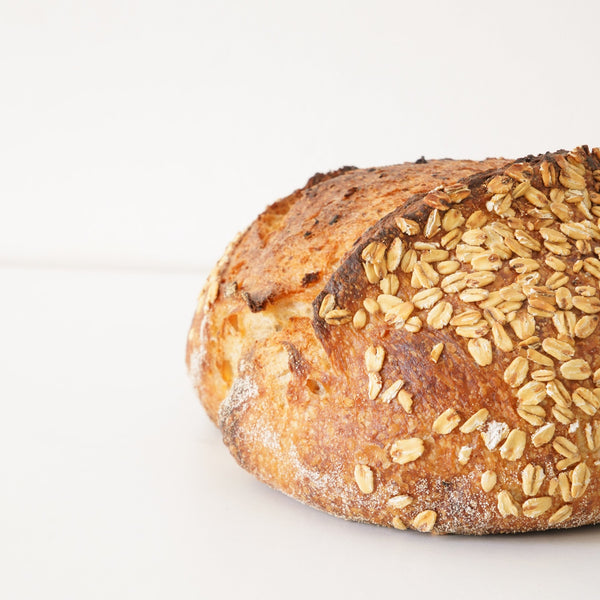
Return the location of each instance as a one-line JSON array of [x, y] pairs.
[[150, 132], [136, 137], [116, 485]]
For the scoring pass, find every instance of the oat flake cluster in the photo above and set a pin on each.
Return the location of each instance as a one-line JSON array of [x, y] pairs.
[[518, 281]]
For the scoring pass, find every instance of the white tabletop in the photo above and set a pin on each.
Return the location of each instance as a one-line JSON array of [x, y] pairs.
[[117, 485]]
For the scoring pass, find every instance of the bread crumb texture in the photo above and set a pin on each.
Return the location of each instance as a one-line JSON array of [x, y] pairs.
[[416, 346]]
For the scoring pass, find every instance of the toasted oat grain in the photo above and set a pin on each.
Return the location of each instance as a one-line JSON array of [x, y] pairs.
[[564, 486], [327, 305], [446, 422], [514, 446], [558, 392], [425, 521], [539, 358], [371, 306], [427, 298], [532, 393], [394, 254], [532, 478], [534, 507], [413, 325], [475, 421], [408, 450], [586, 304], [580, 478], [408, 226], [565, 447], [563, 414], [447, 267], [523, 325], [452, 219], [481, 351], [363, 475], [474, 295], [400, 502], [405, 400], [576, 369], [516, 373], [439, 316], [338, 316], [562, 514], [392, 391], [360, 318], [375, 385], [468, 317], [436, 352], [501, 338], [562, 351], [488, 481], [374, 357], [586, 400], [507, 505], [544, 375], [477, 330], [543, 435]]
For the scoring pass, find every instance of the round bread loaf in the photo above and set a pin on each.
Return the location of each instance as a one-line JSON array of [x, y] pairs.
[[416, 346]]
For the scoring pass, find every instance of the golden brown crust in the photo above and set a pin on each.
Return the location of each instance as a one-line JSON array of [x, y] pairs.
[[291, 249], [347, 411]]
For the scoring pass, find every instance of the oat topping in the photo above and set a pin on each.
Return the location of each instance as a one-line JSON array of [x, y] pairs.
[[475, 421], [514, 446], [405, 400], [436, 352], [534, 507], [398, 523], [562, 514], [488, 481], [481, 351], [446, 422], [363, 475], [392, 392], [405, 451], [507, 505], [532, 478], [425, 521], [399, 502], [516, 283], [580, 477], [464, 454], [543, 435], [360, 318], [374, 357]]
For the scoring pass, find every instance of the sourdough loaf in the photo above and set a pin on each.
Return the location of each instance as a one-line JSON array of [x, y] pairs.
[[416, 346]]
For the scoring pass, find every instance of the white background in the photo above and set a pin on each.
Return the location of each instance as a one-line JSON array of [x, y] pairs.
[[136, 138]]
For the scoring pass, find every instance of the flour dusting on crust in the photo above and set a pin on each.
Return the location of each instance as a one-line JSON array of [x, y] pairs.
[[195, 370], [244, 388], [332, 483]]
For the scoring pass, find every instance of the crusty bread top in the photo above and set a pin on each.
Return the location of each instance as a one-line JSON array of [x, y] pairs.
[[299, 240], [291, 249]]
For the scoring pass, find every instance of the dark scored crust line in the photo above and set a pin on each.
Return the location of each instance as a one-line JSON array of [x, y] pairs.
[[503, 268]]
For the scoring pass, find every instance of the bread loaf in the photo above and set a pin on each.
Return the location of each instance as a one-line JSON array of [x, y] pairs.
[[416, 346]]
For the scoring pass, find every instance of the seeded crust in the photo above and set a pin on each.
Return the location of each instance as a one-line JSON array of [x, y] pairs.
[[442, 373]]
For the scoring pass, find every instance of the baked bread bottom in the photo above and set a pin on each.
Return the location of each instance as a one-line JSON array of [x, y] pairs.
[[416, 346]]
